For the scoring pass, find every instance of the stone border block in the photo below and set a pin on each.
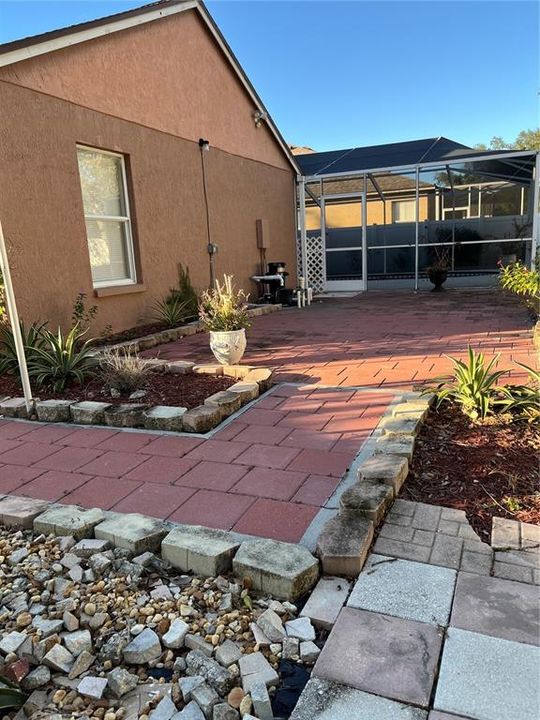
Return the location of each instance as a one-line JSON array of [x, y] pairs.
[[402, 446], [344, 544], [367, 498], [389, 469], [69, 520], [16, 511], [14, 408], [281, 569], [164, 417], [201, 419], [246, 390], [125, 415], [54, 410], [227, 402], [133, 532], [88, 412], [198, 549]]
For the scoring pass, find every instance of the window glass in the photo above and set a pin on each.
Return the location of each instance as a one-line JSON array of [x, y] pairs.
[[108, 227]]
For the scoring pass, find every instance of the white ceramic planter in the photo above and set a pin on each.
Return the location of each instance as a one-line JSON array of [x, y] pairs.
[[228, 346]]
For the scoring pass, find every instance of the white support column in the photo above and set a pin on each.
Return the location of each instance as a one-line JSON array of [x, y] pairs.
[[416, 229], [303, 234], [536, 212], [14, 320], [364, 237]]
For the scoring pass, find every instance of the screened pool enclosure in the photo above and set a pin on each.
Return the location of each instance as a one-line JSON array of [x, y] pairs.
[[379, 216]]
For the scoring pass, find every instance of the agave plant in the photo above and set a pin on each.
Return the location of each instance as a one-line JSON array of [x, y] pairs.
[[472, 385], [32, 339], [10, 695], [172, 310], [523, 401], [62, 358]]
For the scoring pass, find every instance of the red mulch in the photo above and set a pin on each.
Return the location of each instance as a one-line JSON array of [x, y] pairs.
[[488, 470], [137, 332], [161, 389]]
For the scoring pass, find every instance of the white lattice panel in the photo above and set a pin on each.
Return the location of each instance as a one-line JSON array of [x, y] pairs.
[[315, 262]]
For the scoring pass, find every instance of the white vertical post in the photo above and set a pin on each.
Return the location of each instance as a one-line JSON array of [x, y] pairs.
[[536, 211], [364, 237], [14, 320], [303, 234], [416, 229]]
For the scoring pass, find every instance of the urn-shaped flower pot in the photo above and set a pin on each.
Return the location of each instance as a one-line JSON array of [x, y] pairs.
[[228, 346], [438, 277]]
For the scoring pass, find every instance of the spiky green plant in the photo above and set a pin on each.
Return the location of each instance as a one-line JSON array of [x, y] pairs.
[[523, 401], [32, 340], [472, 385], [224, 308], [10, 695], [171, 311], [62, 358]]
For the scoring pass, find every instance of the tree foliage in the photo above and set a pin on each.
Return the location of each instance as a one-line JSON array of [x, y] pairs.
[[525, 140]]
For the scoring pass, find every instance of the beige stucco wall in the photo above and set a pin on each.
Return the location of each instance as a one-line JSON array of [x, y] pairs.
[[168, 74], [348, 214], [42, 213]]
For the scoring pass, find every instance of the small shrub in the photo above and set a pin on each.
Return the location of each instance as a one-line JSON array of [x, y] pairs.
[[82, 316], [185, 291], [32, 338], [523, 401], [124, 371], [472, 385], [10, 695], [171, 311], [224, 308], [525, 283], [61, 359]]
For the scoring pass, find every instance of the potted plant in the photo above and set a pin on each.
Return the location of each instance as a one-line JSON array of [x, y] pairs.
[[437, 272], [223, 312]]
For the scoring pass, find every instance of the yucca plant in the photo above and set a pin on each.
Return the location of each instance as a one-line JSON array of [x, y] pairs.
[[61, 359], [172, 310], [523, 401], [32, 338], [224, 308], [472, 385], [10, 695], [123, 370]]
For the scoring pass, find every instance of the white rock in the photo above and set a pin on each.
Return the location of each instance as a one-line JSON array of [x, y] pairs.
[[176, 634], [92, 687], [143, 648], [300, 628], [271, 625], [309, 652]]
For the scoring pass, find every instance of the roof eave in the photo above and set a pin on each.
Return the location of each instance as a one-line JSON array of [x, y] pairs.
[[90, 31]]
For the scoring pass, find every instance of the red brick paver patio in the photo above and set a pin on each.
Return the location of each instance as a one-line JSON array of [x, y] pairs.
[[271, 469]]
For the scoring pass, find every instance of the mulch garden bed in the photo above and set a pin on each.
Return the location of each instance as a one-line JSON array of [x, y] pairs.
[[161, 388], [138, 332], [488, 470]]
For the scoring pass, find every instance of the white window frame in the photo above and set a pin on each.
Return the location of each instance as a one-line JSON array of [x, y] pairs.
[[125, 219], [402, 200]]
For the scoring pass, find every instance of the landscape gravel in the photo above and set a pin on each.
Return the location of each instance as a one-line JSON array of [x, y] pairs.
[[88, 631]]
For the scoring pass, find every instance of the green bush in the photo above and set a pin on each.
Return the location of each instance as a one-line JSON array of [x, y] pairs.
[[32, 340], [171, 311], [523, 401], [525, 283], [472, 385], [61, 359], [185, 292], [224, 308]]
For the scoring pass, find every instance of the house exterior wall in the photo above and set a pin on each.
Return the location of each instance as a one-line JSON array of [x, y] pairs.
[[167, 74], [42, 212], [149, 93]]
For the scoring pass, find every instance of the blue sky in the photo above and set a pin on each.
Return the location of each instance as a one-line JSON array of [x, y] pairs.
[[339, 74]]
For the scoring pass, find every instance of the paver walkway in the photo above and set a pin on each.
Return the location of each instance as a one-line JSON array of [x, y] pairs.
[[436, 637], [266, 473], [271, 470], [379, 339]]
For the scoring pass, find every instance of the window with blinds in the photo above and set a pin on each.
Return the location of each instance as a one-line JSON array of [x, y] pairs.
[[106, 213], [403, 211]]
